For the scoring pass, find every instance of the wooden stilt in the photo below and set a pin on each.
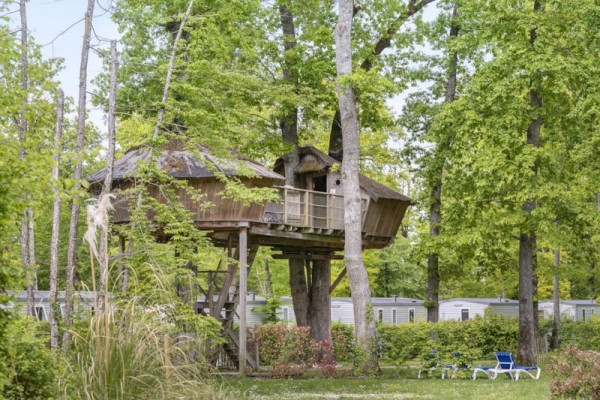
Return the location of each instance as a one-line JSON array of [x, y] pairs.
[[243, 248]]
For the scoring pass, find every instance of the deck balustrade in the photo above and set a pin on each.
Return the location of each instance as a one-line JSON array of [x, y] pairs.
[[308, 209]]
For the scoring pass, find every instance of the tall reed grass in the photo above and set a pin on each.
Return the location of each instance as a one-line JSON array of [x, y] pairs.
[[132, 351]]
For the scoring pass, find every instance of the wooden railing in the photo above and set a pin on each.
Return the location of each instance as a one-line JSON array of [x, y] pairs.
[[308, 208]]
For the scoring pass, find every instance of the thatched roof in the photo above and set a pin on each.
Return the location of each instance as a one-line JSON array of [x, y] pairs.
[[314, 160], [179, 162]]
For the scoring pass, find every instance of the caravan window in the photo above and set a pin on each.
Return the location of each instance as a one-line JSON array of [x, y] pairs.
[[583, 314], [40, 313], [380, 315], [464, 314], [286, 313], [394, 316], [411, 315]]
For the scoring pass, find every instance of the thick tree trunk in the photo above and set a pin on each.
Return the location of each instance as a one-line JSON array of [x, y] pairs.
[[74, 223], [556, 303], [299, 291], [319, 316], [359, 281], [435, 212], [527, 250], [55, 222], [107, 187], [528, 239]]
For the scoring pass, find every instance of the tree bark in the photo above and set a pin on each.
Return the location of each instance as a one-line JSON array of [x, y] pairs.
[[299, 291], [528, 238], [289, 132], [74, 223], [107, 187], [26, 236], [383, 43], [556, 303], [365, 332], [55, 222], [435, 209], [319, 315]]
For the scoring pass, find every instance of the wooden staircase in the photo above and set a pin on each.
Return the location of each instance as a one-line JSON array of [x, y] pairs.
[[221, 302]]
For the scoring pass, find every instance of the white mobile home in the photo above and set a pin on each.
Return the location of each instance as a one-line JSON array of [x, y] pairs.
[[83, 304], [578, 310], [398, 310], [463, 309]]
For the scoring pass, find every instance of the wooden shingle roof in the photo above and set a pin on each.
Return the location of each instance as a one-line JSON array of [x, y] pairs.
[[314, 160], [180, 162]]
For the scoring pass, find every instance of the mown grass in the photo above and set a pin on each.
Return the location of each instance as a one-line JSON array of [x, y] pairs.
[[389, 386]]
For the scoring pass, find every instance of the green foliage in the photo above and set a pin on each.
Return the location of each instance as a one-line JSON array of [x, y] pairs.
[[585, 335], [473, 339], [575, 374], [270, 310], [28, 369], [342, 336]]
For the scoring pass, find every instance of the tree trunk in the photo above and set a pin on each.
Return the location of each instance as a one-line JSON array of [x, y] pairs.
[[289, 133], [74, 223], [528, 238], [268, 280], [319, 315], [435, 212], [556, 303], [299, 291], [359, 281], [165, 97], [27, 214], [107, 187], [55, 222]]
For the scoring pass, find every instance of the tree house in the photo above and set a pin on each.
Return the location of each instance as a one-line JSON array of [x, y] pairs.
[[305, 222]]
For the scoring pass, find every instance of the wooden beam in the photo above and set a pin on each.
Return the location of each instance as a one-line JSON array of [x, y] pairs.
[[337, 280], [243, 247]]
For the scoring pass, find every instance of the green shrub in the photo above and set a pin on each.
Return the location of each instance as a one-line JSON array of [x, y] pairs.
[[342, 336], [575, 374], [401, 343], [473, 339], [585, 335], [30, 370]]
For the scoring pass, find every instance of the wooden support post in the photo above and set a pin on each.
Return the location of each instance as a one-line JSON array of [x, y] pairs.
[[243, 249]]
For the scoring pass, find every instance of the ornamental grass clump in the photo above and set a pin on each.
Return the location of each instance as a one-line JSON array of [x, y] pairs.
[[132, 351]]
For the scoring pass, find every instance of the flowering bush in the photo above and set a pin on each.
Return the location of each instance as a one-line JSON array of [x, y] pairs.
[[289, 350], [575, 374]]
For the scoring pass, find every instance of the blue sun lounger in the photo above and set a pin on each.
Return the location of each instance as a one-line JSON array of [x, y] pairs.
[[507, 365]]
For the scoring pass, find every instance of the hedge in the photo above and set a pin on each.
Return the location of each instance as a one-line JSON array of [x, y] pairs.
[[476, 338]]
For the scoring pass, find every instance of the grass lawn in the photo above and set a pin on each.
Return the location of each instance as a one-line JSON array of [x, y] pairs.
[[387, 387]]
